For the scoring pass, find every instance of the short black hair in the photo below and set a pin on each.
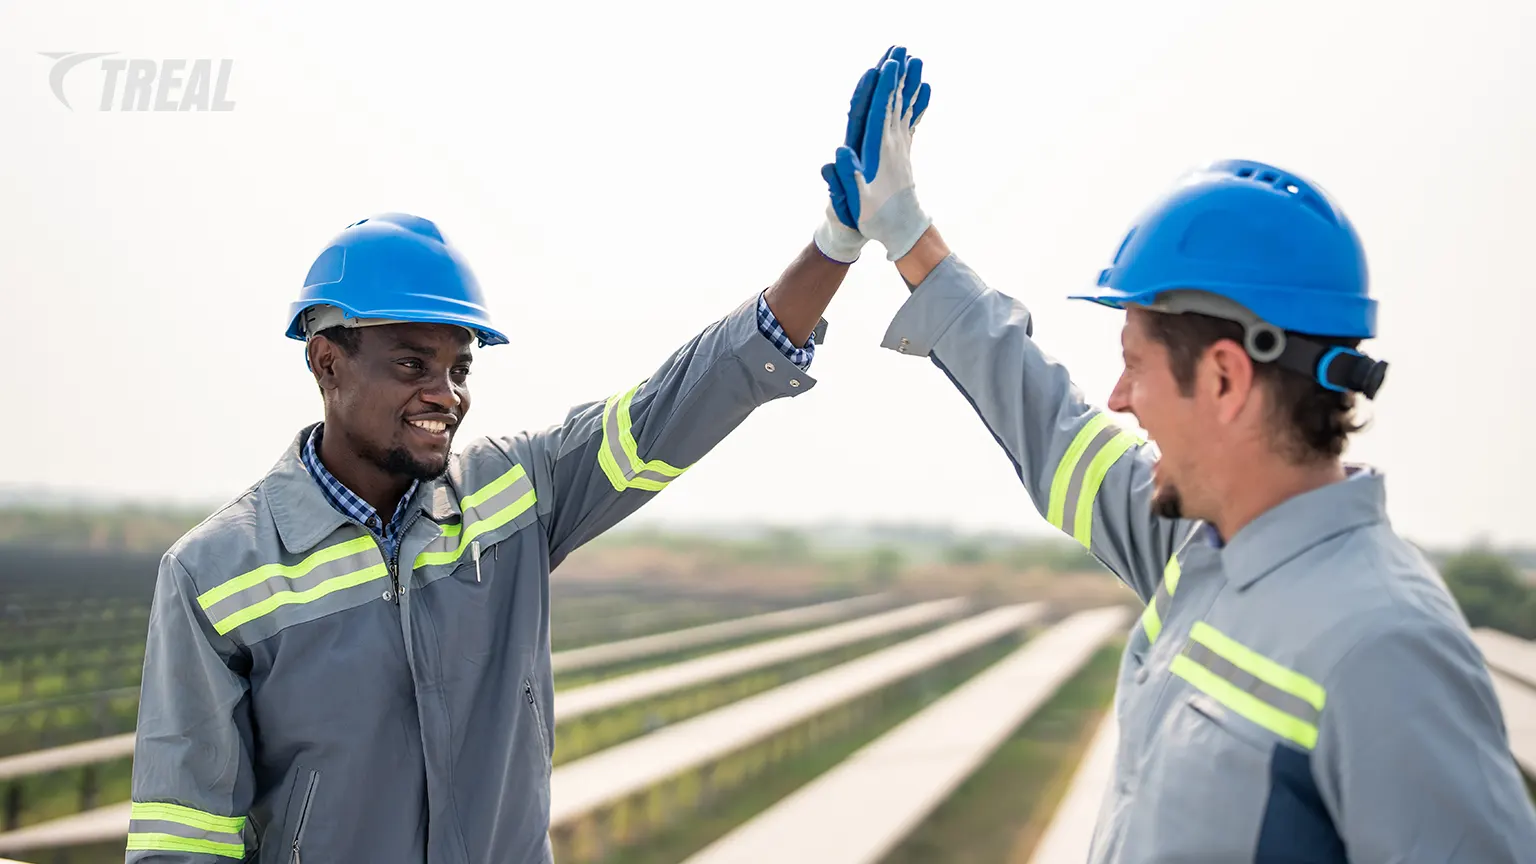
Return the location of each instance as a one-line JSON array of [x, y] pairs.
[[348, 339], [1315, 423]]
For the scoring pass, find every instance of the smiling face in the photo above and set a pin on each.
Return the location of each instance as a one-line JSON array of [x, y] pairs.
[[397, 398], [1148, 390]]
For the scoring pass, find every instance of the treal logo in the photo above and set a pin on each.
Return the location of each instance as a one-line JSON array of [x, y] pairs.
[[136, 84]]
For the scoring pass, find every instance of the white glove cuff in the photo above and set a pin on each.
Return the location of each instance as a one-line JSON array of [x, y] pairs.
[[902, 223], [837, 241]]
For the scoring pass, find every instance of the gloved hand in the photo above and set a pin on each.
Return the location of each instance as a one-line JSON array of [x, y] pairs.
[[870, 182], [838, 235]]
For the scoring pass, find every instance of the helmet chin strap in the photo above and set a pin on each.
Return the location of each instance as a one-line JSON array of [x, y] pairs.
[[1333, 367]]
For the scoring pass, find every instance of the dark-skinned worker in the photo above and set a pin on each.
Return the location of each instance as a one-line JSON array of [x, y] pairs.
[[1301, 686], [350, 662]]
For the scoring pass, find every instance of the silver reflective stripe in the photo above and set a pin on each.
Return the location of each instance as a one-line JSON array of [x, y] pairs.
[[614, 436], [176, 829], [479, 517], [1273, 696], [1080, 474], [1152, 617], [298, 579], [619, 458], [1161, 600]]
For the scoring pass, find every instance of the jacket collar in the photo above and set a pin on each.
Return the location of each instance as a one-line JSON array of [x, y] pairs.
[[304, 516], [440, 500], [1298, 524]]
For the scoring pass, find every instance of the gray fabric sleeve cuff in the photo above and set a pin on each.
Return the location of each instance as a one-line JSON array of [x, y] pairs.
[[934, 305]]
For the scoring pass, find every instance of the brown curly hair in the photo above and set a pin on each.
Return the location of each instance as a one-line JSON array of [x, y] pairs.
[[1313, 423]]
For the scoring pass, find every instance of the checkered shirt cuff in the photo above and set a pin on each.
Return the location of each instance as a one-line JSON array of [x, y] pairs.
[[770, 327]]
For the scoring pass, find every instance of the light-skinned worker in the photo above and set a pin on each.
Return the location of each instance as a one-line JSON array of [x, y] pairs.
[[1301, 686], [351, 660]]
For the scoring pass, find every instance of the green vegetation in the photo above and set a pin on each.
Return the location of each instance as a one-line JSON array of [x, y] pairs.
[[599, 731], [877, 551], [132, 527], [878, 713], [75, 587], [1492, 591], [580, 621], [85, 672], [583, 677], [41, 723], [53, 796], [999, 812]]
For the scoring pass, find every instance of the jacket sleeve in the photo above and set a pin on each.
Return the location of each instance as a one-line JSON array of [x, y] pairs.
[[1412, 757], [192, 778], [609, 457], [1087, 476]]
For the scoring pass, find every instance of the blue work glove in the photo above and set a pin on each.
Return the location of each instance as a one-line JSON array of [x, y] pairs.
[[838, 236], [871, 185]]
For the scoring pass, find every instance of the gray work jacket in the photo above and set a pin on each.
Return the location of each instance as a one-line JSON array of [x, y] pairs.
[[295, 708], [1308, 691]]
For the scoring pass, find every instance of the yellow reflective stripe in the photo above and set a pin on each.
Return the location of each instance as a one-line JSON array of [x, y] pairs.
[[1151, 621], [163, 827], [1259, 666], [329, 586], [1171, 575], [619, 441], [1082, 526], [632, 450], [1268, 694], [489, 490], [1057, 509], [186, 816], [1245, 704], [152, 842], [498, 493], [1080, 473], [1152, 616], [291, 571], [476, 528], [605, 459]]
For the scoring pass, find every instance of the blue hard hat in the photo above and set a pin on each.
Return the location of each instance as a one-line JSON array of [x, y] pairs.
[[1256, 235], [398, 267]]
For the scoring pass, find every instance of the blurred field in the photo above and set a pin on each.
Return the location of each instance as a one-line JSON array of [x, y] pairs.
[[74, 608]]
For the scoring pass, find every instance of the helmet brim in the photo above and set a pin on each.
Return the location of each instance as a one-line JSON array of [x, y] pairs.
[[486, 336]]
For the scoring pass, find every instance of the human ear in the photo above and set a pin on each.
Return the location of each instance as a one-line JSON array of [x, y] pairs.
[[324, 357], [1231, 379]]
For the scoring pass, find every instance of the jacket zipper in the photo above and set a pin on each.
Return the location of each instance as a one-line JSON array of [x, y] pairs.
[[298, 834], [394, 558], [474, 551], [538, 721]]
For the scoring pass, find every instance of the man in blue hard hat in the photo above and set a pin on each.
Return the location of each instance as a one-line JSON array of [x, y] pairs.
[[351, 660], [1301, 685]]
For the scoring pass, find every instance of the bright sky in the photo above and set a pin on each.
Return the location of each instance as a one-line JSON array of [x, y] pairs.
[[621, 174]]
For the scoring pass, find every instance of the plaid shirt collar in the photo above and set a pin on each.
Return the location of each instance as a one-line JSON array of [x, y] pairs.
[[349, 504]]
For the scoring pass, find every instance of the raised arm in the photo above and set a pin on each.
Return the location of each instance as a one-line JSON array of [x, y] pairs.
[[1086, 475], [609, 457]]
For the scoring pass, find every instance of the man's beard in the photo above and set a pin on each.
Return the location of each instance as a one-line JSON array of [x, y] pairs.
[[1167, 503], [397, 462]]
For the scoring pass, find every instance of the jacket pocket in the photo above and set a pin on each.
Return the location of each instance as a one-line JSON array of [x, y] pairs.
[[538, 725], [302, 820], [1233, 727], [1209, 775]]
